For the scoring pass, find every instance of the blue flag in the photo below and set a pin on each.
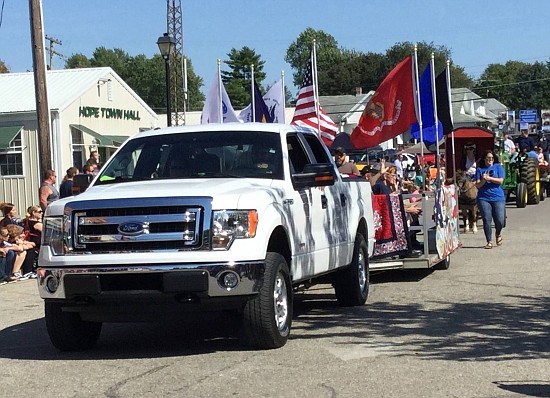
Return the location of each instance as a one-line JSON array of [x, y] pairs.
[[427, 109], [261, 111]]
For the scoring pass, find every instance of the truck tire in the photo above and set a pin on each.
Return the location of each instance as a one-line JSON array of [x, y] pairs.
[[521, 195], [67, 331], [267, 317], [351, 284], [529, 174]]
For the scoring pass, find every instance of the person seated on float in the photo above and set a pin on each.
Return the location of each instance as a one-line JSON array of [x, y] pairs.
[[470, 164], [540, 156]]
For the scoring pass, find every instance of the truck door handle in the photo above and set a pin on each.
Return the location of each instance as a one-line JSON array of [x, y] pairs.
[[343, 199], [323, 202]]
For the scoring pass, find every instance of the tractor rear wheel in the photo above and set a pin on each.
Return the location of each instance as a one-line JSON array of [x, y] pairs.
[[529, 174]]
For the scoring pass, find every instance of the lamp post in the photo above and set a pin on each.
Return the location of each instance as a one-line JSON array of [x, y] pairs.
[[166, 46]]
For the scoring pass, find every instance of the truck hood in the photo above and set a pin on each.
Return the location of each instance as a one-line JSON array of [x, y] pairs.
[[226, 193]]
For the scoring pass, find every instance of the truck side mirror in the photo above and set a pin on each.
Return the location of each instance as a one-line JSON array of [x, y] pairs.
[[314, 175]]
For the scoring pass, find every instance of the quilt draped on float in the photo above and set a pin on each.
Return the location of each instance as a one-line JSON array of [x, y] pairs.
[[390, 226]]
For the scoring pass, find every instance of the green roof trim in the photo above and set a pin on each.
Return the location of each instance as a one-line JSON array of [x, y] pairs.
[[103, 140], [117, 139], [7, 134]]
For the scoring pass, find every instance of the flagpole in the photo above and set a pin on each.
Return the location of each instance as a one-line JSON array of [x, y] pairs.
[[448, 82], [220, 105], [315, 87], [283, 92], [252, 86], [419, 114], [436, 120]]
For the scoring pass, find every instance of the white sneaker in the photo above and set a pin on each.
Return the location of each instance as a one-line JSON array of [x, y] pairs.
[[21, 277], [32, 275], [28, 275]]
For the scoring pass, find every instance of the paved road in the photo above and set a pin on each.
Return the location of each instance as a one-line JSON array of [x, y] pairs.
[[480, 329]]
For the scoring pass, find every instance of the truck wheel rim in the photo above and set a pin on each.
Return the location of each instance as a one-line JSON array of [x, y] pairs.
[[280, 302], [362, 272]]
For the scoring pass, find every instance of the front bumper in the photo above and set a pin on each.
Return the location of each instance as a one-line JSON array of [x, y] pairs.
[[200, 280]]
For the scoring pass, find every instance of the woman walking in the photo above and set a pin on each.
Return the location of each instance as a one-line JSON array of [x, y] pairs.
[[490, 197]]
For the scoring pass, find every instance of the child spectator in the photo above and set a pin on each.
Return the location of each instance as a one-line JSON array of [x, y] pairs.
[[5, 267], [540, 156], [15, 255], [26, 248]]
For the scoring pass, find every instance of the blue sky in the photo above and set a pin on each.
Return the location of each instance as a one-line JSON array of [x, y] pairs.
[[477, 32]]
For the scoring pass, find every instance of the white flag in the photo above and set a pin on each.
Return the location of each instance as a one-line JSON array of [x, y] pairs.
[[275, 101], [213, 105]]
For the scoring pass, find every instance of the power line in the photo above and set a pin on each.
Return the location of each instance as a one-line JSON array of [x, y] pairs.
[[511, 84]]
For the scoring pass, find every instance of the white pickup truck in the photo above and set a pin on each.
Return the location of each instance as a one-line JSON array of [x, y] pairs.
[[213, 217]]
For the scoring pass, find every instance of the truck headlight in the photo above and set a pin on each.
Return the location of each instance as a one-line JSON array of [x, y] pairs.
[[228, 225], [53, 234]]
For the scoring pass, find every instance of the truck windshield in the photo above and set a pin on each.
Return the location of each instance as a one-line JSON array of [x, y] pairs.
[[219, 154]]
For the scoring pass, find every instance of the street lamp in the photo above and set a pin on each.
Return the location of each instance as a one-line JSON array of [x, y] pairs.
[[166, 46]]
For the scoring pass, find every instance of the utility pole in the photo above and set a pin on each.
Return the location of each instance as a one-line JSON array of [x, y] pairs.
[[52, 51], [39, 67]]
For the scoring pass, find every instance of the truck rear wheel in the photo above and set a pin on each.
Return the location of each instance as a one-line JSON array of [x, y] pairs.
[[351, 284], [67, 331], [444, 264], [267, 317]]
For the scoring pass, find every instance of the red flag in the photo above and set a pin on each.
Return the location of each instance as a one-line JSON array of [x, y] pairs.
[[390, 111], [306, 112]]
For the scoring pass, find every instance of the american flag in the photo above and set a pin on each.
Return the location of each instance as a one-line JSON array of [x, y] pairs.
[[306, 112]]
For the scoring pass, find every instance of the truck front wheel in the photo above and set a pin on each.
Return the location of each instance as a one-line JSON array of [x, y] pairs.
[[67, 331], [268, 316], [351, 284]]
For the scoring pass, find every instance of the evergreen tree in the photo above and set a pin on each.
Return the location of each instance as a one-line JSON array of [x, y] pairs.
[[238, 79]]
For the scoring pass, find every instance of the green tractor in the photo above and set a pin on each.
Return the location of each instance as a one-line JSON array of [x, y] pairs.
[[522, 178]]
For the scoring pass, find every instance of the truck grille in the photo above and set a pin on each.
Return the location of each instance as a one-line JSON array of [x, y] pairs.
[[134, 229]]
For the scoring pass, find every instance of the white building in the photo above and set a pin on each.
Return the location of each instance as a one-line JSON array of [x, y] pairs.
[[90, 109]]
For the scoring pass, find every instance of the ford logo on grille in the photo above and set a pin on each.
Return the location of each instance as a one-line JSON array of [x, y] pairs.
[[133, 228]]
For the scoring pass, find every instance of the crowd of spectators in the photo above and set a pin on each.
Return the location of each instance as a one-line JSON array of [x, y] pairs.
[[19, 243], [20, 237]]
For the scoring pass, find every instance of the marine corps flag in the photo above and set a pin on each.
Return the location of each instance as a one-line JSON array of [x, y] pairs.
[[390, 111]]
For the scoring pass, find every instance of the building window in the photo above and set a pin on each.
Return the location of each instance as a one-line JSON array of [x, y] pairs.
[[11, 158], [78, 148]]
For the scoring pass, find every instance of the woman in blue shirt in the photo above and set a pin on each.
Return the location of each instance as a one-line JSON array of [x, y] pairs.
[[490, 197]]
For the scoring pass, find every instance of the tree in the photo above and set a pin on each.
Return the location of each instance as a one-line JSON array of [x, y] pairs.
[[298, 53], [145, 75], [238, 79], [117, 59], [3, 67], [341, 71], [354, 70], [76, 61], [398, 51]]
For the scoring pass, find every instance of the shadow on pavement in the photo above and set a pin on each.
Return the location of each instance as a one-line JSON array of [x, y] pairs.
[[534, 388], [456, 331], [444, 330]]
